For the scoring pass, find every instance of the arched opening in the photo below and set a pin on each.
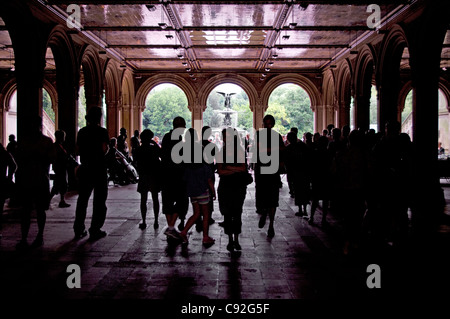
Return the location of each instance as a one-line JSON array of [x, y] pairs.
[[48, 115], [239, 114], [11, 116], [443, 118], [81, 108], [228, 106], [164, 102], [290, 104], [373, 109]]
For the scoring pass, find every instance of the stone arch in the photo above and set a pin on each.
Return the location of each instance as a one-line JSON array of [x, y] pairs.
[[113, 93], [388, 73], [302, 81], [249, 89], [155, 80], [5, 96], [67, 83], [366, 63], [329, 100], [53, 93], [305, 83], [343, 92], [239, 80], [92, 75], [128, 114]]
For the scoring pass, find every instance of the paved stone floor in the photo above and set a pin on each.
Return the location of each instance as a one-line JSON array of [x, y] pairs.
[[302, 261]]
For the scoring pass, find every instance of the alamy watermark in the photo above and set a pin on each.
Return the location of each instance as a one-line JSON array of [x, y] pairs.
[[374, 19], [74, 18], [265, 150]]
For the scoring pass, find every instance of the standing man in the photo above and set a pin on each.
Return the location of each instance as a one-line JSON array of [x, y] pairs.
[[175, 201], [35, 153], [92, 144]]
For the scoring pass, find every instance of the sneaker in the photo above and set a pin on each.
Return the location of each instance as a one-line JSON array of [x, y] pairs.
[[230, 247], [271, 232], [237, 246], [63, 205], [172, 233]]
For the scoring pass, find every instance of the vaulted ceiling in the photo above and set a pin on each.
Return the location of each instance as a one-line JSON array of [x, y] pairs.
[[214, 36]]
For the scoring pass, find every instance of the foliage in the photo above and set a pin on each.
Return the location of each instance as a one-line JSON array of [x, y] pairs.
[[81, 108], [162, 106], [289, 104], [291, 107]]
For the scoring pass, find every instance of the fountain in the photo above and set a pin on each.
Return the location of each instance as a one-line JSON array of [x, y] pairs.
[[228, 112]]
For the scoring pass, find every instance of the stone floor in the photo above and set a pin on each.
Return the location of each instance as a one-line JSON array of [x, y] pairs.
[[302, 261]]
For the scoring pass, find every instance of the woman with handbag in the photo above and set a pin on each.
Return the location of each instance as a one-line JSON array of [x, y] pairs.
[[232, 189]]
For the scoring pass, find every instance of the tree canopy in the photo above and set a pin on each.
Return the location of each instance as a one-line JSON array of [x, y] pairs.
[[162, 106], [289, 104]]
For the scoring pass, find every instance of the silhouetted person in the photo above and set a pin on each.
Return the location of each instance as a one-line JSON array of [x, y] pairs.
[[12, 145], [267, 177], [289, 161], [232, 188], [35, 153], [390, 167], [92, 144], [210, 151], [8, 167], [301, 171], [175, 201], [199, 186], [122, 144], [135, 143], [148, 162], [60, 166], [321, 179], [350, 174]]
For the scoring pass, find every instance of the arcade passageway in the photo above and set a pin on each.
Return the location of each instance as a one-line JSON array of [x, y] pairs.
[[354, 59]]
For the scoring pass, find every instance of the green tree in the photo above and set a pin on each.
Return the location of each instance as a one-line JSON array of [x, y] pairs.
[[297, 107], [162, 106], [81, 108], [282, 122]]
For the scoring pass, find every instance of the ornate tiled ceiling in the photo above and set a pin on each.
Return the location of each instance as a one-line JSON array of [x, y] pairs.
[[202, 36]]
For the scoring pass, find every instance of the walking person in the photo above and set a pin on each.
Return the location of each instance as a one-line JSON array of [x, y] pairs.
[[148, 162], [267, 173], [175, 201], [60, 166], [200, 189], [210, 151], [93, 145], [232, 189], [35, 153]]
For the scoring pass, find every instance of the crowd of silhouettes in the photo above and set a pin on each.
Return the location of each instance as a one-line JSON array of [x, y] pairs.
[[365, 178], [362, 177]]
